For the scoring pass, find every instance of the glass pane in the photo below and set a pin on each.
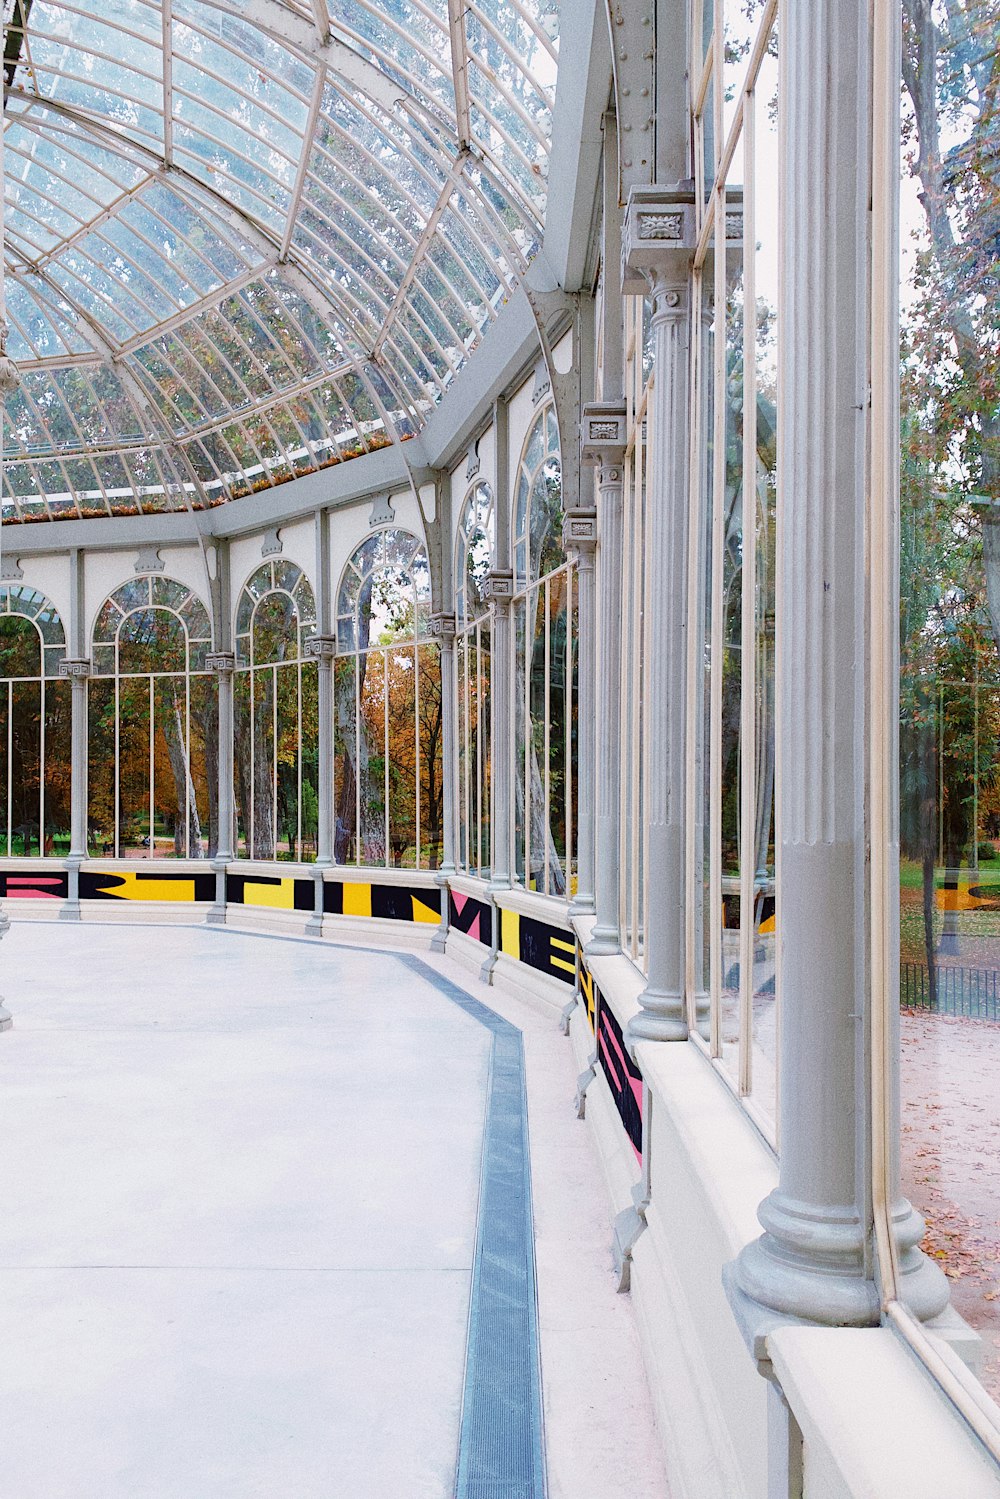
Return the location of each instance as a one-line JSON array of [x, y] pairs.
[[372, 759], [135, 773], [430, 728], [26, 766], [58, 697], [101, 808], [950, 662]]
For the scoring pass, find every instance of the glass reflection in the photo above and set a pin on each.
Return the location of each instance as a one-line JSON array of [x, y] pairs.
[[388, 709], [152, 726], [949, 893], [34, 727]]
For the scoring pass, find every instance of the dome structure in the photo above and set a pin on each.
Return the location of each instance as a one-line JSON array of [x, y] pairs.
[[248, 241]]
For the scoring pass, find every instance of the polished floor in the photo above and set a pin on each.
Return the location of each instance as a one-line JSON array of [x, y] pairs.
[[241, 1187]]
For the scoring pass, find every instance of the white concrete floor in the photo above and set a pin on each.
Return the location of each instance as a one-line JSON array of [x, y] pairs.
[[239, 1185]]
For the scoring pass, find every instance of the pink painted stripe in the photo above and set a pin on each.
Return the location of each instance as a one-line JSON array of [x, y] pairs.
[[460, 901], [611, 1065], [614, 1042]]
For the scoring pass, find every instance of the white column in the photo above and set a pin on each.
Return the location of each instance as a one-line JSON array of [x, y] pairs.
[[323, 649], [604, 439], [815, 1257], [443, 630], [499, 590], [223, 664], [658, 239], [78, 671], [580, 543]]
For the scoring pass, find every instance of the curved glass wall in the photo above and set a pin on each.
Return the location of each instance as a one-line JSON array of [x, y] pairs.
[[475, 555], [544, 624], [276, 716], [153, 726], [388, 708], [34, 726]]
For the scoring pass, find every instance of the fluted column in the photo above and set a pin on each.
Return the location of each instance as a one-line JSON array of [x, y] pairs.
[[78, 672], [603, 437], [658, 239], [443, 630], [223, 664], [814, 1259], [499, 590], [323, 650], [580, 544]]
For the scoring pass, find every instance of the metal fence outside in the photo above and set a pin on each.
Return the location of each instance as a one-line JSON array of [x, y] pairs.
[[970, 992]]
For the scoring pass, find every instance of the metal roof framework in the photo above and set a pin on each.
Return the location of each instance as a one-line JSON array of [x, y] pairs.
[[248, 239]]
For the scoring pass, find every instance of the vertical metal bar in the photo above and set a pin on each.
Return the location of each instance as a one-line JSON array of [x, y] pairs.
[[385, 747], [748, 616], [447, 770]]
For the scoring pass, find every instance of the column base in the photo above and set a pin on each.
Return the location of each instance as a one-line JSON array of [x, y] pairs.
[[6, 1019], [663, 1017], [923, 1286], [809, 1264], [605, 942], [582, 905]]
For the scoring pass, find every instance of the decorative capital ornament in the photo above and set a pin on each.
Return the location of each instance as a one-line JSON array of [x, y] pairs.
[[223, 662], [658, 235], [603, 434], [77, 669], [443, 626], [322, 648], [499, 585]]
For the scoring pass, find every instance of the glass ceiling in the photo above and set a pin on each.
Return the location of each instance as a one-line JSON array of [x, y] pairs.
[[246, 239]]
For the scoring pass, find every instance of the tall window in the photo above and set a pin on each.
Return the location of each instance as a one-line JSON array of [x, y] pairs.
[[544, 616], [153, 715], [474, 557], [276, 716], [735, 398], [388, 708], [949, 795], [34, 726]]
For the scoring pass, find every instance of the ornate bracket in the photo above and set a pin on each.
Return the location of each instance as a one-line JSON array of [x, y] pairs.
[[322, 648], [77, 669], [382, 513], [272, 545], [149, 561], [10, 569], [473, 462], [223, 662]]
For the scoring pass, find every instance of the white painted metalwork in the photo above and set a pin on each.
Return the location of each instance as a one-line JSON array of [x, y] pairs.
[[164, 163]]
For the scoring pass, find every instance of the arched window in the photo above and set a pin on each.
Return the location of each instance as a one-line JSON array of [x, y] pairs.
[[153, 715], [276, 716], [544, 619], [475, 550], [388, 708], [34, 726]]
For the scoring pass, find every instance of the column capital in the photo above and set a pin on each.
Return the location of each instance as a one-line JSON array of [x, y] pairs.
[[77, 668], [580, 531], [223, 662], [323, 648], [499, 586], [443, 626], [603, 433], [658, 235]]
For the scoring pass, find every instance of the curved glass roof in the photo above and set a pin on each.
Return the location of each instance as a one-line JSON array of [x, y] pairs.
[[249, 238]]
